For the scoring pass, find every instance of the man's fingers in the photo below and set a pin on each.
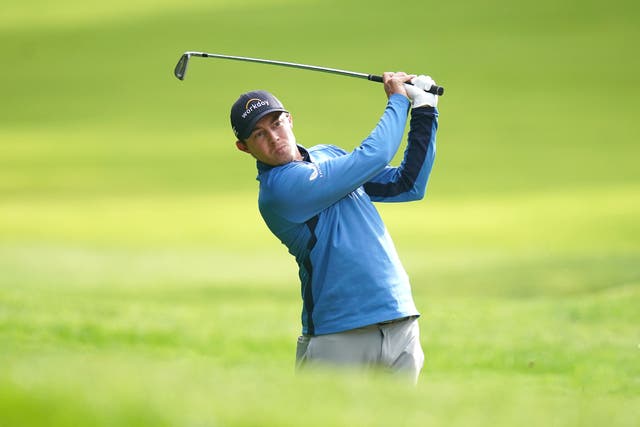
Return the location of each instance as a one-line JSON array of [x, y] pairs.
[[406, 77], [394, 82]]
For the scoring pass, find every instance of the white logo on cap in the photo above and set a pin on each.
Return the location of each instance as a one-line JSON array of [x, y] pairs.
[[252, 105]]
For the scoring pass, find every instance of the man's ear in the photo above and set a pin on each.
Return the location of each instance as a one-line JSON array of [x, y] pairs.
[[291, 120], [242, 146]]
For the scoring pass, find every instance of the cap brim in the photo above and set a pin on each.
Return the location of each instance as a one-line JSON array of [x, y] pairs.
[[256, 119]]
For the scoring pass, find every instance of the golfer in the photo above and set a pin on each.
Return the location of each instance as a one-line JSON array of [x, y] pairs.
[[357, 306]]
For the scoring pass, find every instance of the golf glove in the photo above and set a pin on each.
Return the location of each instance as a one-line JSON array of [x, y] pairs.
[[417, 94]]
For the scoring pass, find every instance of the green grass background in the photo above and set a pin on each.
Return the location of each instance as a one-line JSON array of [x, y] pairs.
[[139, 286]]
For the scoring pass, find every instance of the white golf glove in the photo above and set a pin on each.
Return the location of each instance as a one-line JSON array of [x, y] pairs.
[[417, 94]]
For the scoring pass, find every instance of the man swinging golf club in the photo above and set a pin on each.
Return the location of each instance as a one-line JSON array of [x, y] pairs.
[[358, 310]]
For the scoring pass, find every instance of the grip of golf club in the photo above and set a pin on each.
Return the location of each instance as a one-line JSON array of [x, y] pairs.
[[436, 90]]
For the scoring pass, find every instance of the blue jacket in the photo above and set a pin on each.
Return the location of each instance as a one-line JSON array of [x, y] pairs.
[[321, 209]]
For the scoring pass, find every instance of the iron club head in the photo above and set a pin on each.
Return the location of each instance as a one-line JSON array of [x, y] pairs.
[[181, 66]]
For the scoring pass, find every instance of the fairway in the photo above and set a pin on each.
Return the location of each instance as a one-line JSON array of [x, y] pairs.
[[140, 287]]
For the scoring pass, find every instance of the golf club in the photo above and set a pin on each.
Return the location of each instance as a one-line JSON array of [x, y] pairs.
[[181, 68]]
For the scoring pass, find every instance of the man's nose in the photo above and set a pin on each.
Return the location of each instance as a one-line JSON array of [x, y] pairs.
[[272, 135]]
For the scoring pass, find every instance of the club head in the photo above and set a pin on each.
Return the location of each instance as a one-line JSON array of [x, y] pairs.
[[181, 66]]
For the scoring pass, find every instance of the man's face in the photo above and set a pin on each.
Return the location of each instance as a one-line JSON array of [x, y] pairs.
[[272, 141]]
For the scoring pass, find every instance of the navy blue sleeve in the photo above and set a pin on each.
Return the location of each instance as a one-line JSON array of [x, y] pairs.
[[409, 180]]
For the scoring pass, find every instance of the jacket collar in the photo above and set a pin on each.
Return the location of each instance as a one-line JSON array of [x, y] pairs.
[[263, 167]]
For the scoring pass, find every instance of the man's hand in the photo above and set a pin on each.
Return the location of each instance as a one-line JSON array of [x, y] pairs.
[[394, 83], [417, 94]]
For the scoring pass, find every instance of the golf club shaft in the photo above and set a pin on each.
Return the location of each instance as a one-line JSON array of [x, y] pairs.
[[180, 69]]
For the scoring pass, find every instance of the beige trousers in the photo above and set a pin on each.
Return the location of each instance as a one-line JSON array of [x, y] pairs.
[[393, 346]]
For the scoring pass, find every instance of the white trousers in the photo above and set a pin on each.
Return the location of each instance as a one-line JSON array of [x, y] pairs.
[[393, 346]]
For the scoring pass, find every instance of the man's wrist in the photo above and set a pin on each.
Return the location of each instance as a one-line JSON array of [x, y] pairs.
[[399, 95]]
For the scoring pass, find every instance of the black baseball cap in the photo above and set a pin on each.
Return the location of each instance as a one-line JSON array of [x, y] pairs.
[[251, 107]]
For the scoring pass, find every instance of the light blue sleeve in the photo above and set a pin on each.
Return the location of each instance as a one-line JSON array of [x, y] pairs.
[[300, 190]]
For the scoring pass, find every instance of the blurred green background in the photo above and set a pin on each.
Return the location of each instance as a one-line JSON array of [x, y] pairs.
[[139, 286]]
